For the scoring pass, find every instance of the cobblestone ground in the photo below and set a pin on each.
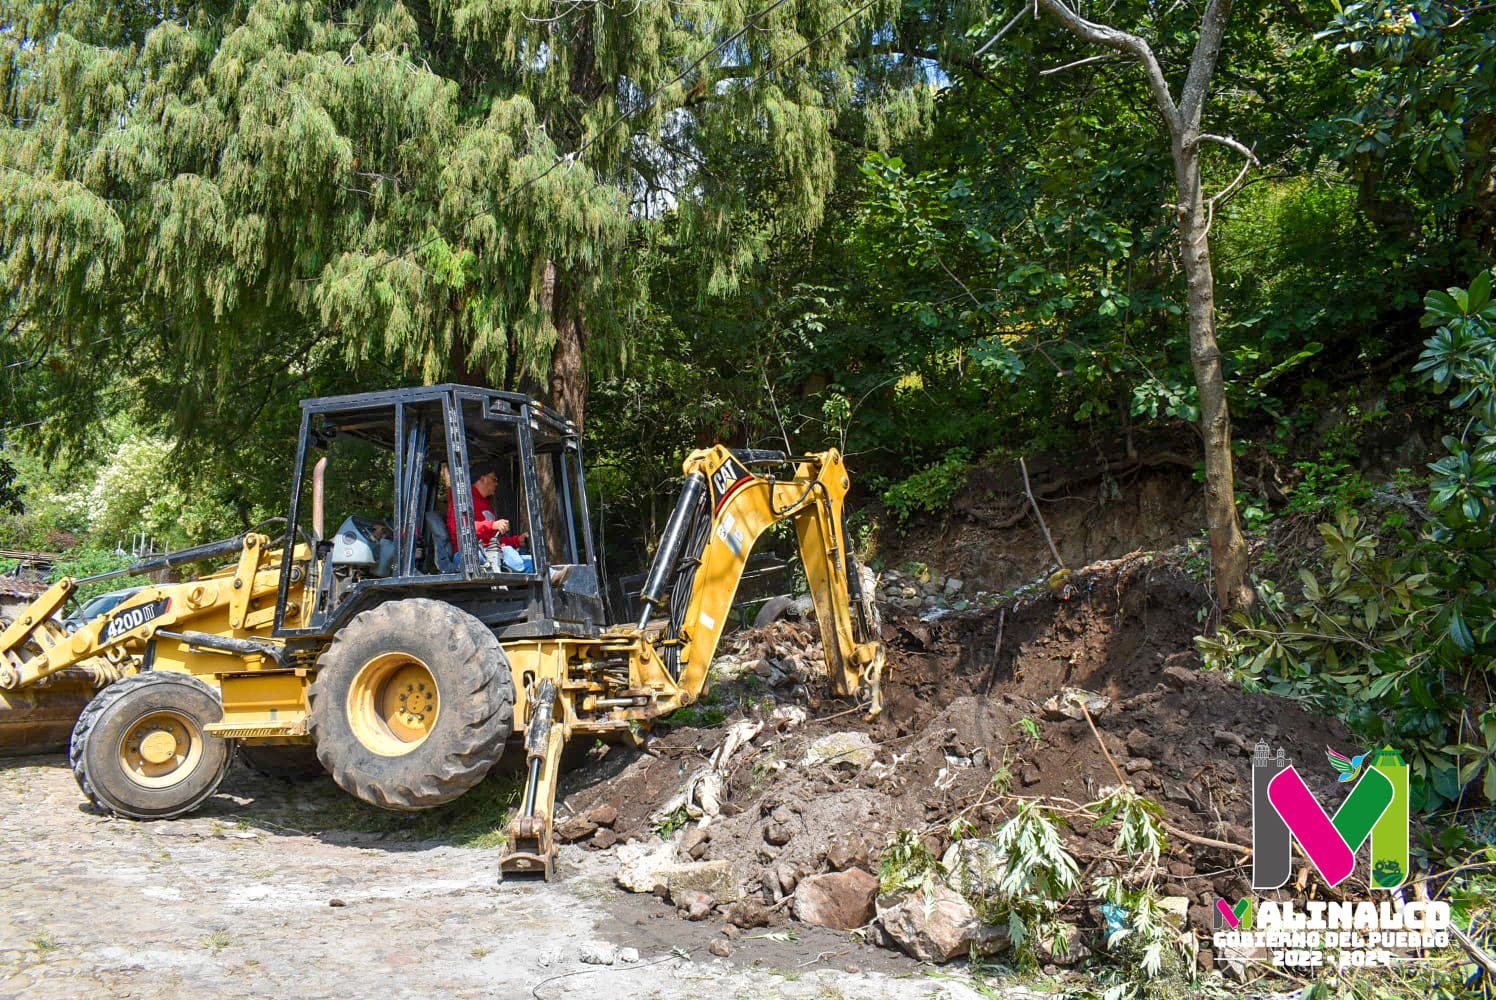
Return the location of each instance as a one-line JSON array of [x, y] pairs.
[[231, 902]]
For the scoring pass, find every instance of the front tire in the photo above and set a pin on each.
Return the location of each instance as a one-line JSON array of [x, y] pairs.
[[412, 704], [141, 748]]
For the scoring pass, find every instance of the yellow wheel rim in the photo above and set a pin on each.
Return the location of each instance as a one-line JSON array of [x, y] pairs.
[[160, 749], [393, 704]]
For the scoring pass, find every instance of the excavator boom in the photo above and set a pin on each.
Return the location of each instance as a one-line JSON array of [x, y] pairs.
[[723, 508]]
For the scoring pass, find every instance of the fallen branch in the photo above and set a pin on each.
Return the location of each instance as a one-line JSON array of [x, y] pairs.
[[1027, 489], [1185, 835], [1002, 619]]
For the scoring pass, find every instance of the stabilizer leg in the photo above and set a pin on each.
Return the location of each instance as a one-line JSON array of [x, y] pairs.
[[532, 851]]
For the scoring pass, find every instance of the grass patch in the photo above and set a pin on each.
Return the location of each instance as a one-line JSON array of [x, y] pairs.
[[43, 943]]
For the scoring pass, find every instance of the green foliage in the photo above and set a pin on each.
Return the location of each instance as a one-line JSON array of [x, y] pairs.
[[1326, 485], [698, 716], [1399, 635], [128, 483], [931, 489], [672, 821], [1140, 832], [1039, 874], [208, 211], [1421, 106], [907, 864], [83, 562], [10, 497]]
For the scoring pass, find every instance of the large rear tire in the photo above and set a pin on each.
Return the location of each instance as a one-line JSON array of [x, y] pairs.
[[412, 704], [141, 748]]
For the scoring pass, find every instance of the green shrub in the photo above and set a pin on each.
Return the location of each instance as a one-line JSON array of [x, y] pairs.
[[1399, 636], [931, 489]]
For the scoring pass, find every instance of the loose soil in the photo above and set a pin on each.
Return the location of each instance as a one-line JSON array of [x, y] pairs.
[[963, 709]]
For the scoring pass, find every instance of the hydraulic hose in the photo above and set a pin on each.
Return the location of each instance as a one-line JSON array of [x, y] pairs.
[[677, 529]]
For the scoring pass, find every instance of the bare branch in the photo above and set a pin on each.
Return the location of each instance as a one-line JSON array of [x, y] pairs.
[[1235, 185], [1005, 29], [1126, 43], [1226, 140], [1078, 62], [1203, 62]]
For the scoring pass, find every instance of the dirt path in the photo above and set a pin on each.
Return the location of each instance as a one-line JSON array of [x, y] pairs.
[[243, 900]]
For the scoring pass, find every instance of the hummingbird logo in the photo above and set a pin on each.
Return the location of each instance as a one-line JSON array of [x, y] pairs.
[[1349, 767]]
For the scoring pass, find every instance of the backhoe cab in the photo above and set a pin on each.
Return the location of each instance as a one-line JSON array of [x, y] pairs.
[[407, 657]]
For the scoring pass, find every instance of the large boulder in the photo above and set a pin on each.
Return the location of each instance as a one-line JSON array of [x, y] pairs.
[[840, 900], [937, 925]]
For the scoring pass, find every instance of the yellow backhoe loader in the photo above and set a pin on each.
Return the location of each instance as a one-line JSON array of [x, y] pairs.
[[408, 653]]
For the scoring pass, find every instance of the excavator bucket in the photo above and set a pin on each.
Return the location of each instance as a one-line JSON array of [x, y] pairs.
[[39, 719]]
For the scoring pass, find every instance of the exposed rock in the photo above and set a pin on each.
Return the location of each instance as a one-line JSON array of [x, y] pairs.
[[1176, 910], [1066, 704], [1226, 738], [598, 953], [938, 925], [1142, 744], [711, 877], [748, 913], [1180, 677], [840, 900], [604, 838], [641, 865], [574, 828], [628, 956], [786, 877], [693, 841], [974, 868], [953, 586], [1236, 960], [842, 855], [1029, 775], [720, 948], [848, 749], [788, 716], [1064, 947], [695, 904], [603, 814]]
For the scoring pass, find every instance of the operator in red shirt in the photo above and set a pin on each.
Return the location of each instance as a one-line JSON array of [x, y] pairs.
[[485, 484]]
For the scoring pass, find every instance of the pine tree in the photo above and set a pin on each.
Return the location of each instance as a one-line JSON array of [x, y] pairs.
[[197, 198]]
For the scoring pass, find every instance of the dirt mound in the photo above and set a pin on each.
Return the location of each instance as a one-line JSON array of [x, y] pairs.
[[966, 730]]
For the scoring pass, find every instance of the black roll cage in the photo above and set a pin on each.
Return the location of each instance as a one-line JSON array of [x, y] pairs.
[[513, 604]]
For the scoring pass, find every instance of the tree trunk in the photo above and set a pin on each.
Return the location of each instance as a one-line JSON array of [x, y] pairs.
[[567, 389], [1228, 548], [568, 375]]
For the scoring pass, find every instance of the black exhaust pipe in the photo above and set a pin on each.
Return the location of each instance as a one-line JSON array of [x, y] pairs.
[[652, 597]]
